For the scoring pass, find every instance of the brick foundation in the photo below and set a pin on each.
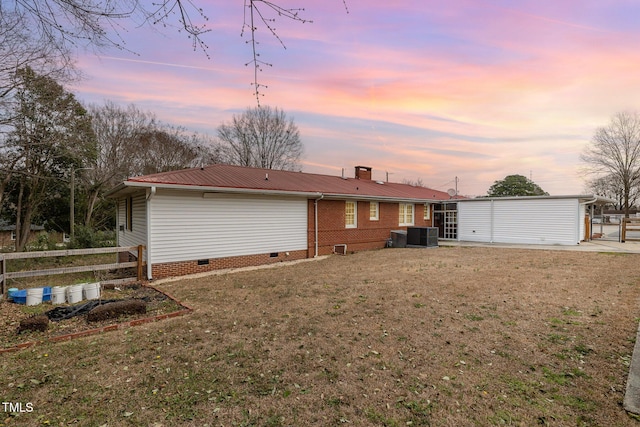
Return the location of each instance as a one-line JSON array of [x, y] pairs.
[[182, 268]]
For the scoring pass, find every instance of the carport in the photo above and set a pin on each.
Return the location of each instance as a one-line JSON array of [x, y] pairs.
[[545, 220]]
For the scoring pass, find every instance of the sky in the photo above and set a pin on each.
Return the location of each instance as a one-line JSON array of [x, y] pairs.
[[456, 94]]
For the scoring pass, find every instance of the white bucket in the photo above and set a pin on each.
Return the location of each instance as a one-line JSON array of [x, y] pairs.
[[58, 295], [92, 290], [34, 296], [74, 293]]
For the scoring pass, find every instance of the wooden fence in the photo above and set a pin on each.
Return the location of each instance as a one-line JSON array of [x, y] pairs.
[[4, 275], [629, 224]]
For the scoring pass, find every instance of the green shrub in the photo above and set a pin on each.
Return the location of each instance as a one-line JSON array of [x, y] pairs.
[[44, 242], [86, 237]]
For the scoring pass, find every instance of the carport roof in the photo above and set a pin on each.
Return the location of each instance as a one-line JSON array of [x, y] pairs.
[[230, 179], [582, 198]]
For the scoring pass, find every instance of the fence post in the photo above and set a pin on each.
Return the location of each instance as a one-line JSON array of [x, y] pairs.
[[140, 253], [3, 272]]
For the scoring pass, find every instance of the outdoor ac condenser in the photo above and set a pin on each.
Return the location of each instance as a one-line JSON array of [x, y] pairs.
[[422, 236]]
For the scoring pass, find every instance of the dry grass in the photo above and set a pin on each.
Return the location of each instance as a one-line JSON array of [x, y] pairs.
[[436, 337]]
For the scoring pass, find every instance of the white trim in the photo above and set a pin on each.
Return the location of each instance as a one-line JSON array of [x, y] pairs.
[[355, 214], [402, 207], [376, 217]]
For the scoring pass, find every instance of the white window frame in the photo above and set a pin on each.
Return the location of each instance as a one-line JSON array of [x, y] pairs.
[[347, 224], [13, 235], [403, 215], [374, 211], [427, 211]]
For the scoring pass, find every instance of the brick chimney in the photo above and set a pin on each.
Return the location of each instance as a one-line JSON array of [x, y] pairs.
[[363, 172]]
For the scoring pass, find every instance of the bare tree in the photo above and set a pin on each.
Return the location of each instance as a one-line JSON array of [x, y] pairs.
[[611, 187], [615, 151], [97, 23], [117, 130], [21, 47], [261, 137], [417, 183], [64, 24], [132, 142], [165, 148]]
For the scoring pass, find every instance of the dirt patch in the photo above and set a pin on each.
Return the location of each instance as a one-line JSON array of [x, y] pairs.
[[397, 337], [13, 314]]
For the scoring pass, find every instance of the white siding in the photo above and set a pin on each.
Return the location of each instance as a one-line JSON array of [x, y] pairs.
[[138, 234], [185, 226], [474, 221], [539, 221]]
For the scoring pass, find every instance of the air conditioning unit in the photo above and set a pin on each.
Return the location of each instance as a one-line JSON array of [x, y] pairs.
[[422, 237], [398, 239]]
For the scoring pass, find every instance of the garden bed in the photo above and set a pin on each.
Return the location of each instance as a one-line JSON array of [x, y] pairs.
[[158, 305]]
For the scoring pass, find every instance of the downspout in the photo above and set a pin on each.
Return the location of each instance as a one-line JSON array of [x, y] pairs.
[[315, 228], [152, 193], [581, 220]]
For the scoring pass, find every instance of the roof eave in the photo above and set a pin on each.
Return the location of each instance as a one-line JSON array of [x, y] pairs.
[[122, 189], [583, 198], [364, 197]]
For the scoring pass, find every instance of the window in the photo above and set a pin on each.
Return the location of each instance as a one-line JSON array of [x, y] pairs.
[[13, 235], [405, 216], [374, 211], [129, 213], [350, 214], [427, 211]]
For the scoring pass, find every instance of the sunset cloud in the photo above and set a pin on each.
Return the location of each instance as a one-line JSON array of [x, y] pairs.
[[477, 89]]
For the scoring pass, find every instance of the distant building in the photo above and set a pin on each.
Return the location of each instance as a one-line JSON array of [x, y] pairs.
[[8, 234]]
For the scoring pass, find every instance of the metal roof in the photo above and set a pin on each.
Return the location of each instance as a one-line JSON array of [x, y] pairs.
[[228, 178]]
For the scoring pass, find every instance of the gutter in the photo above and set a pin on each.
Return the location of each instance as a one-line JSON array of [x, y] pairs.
[[211, 190]]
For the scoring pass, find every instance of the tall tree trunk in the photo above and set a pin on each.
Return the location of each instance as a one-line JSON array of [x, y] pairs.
[[91, 204], [19, 217], [25, 231]]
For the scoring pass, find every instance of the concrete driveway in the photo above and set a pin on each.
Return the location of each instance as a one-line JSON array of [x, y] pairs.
[[596, 245]]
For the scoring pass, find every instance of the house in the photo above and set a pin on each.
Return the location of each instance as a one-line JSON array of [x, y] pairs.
[[221, 216], [548, 220]]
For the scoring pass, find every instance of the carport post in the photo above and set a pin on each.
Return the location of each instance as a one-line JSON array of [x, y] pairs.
[[3, 272], [140, 253]]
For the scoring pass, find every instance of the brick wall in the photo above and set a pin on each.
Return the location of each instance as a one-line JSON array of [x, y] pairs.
[[369, 234], [190, 267]]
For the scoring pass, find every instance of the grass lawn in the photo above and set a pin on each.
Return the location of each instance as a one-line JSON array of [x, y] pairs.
[[396, 337]]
